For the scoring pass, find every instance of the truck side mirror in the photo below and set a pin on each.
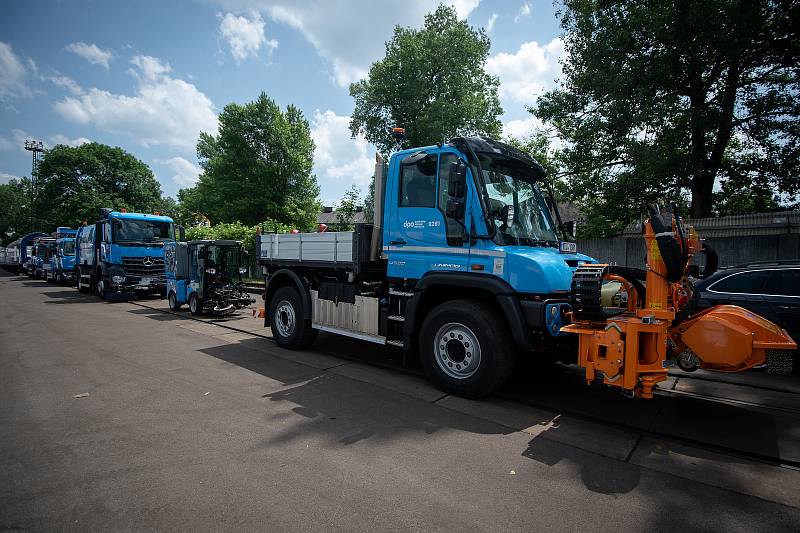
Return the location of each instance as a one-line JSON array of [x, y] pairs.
[[571, 228], [457, 190], [181, 233]]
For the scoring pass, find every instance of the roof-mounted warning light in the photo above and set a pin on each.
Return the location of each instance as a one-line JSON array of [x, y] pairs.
[[399, 135]]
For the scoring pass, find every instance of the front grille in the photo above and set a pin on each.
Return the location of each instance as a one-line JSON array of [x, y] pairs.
[[134, 266]]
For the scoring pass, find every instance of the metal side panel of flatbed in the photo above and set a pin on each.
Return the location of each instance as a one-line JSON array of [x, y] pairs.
[[328, 247]]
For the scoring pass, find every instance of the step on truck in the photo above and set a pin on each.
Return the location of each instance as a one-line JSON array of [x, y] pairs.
[[467, 264], [122, 254], [206, 274], [61, 268]]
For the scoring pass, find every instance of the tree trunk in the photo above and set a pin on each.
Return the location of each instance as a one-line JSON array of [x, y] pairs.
[[702, 191]]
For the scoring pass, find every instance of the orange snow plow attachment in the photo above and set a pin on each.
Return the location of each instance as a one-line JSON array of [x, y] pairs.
[[630, 348]]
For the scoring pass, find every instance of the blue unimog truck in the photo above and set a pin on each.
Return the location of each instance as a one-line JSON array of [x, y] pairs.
[[61, 268], [467, 263], [206, 274], [122, 254]]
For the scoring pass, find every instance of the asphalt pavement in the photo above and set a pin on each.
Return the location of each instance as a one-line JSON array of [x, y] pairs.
[[124, 417]]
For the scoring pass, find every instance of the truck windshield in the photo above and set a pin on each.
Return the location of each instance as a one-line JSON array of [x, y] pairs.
[[68, 248], [225, 259], [516, 205], [144, 231]]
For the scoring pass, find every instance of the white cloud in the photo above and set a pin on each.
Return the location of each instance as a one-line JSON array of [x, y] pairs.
[[6, 145], [529, 72], [524, 12], [65, 82], [185, 172], [339, 160], [13, 74], [60, 138], [91, 53], [5, 177], [245, 36], [164, 110], [521, 128], [349, 37], [490, 23]]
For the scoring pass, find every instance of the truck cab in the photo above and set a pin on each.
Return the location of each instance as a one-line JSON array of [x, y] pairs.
[[467, 264], [61, 267], [123, 253], [206, 274], [39, 262]]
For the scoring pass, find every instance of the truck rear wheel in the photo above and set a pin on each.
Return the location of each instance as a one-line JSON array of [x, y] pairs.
[[466, 348], [289, 329]]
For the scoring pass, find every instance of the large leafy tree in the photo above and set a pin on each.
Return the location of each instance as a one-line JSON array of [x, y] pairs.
[[74, 182], [258, 166], [15, 215], [431, 82], [663, 99]]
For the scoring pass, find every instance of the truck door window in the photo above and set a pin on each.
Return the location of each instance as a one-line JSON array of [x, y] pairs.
[[418, 183], [455, 227]]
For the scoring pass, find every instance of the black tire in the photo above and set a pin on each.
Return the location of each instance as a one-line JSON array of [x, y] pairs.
[[289, 329], [485, 367], [100, 286], [173, 301], [195, 305]]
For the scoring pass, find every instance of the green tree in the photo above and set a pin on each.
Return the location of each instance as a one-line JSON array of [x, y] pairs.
[[660, 99], [258, 166], [76, 181], [431, 82], [15, 218], [347, 208]]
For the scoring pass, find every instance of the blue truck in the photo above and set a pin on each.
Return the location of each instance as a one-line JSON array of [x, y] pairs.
[[61, 267], [206, 274], [467, 264], [122, 253], [18, 253], [39, 260]]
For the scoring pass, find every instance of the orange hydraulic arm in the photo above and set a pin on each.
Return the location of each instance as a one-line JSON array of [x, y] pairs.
[[629, 348]]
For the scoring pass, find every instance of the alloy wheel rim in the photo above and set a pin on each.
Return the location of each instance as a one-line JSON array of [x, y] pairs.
[[285, 318], [457, 350]]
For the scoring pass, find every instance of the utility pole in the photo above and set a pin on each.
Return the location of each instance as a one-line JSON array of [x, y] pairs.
[[37, 149]]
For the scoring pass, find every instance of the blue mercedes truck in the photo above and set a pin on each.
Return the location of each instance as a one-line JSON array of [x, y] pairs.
[[122, 254], [467, 264], [61, 268]]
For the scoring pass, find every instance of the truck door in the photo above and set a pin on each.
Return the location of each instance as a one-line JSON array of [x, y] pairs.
[[421, 238]]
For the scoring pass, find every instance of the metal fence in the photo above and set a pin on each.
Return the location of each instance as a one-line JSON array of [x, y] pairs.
[[737, 240]]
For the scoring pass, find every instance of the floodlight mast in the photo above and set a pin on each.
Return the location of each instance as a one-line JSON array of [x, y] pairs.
[[37, 149]]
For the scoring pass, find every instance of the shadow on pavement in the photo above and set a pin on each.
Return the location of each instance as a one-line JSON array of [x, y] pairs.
[[341, 409]]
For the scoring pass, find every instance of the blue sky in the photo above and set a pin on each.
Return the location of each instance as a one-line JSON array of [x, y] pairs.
[[149, 75]]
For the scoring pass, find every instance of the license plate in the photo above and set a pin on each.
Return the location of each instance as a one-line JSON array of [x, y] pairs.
[[568, 247], [144, 281]]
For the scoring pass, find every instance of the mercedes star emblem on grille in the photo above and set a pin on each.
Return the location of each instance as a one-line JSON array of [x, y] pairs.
[[147, 261]]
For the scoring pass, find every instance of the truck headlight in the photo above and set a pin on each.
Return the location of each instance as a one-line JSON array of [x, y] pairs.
[[211, 271], [117, 279], [242, 270]]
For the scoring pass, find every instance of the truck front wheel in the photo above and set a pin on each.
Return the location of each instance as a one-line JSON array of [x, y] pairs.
[[289, 329], [466, 348], [195, 305]]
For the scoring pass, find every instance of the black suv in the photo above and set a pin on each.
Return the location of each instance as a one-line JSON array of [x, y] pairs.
[[770, 289]]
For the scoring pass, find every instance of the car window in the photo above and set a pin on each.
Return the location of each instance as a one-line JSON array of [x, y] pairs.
[[742, 283], [784, 283]]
